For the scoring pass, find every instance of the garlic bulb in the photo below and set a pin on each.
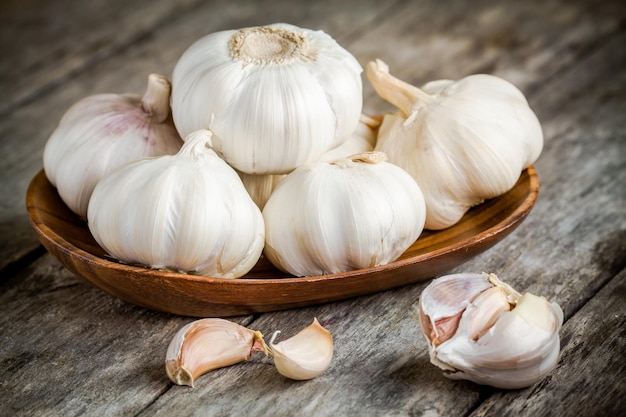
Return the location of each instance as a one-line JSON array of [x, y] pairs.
[[463, 141], [480, 329], [207, 344], [187, 212], [354, 213], [103, 132], [303, 356], [276, 97]]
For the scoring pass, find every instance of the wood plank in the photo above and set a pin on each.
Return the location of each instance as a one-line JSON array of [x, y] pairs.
[[589, 381], [43, 44]]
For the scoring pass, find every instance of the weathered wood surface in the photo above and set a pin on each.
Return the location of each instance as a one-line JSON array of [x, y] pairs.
[[69, 349]]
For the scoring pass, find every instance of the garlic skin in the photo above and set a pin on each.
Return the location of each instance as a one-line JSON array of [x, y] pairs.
[[276, 97], [482, 330], [103, 132], [187, 212], [304, 356], [208, 344], [354, 213], [463, 141]]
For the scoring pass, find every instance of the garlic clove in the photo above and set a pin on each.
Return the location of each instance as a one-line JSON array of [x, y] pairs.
[[491, 303], [207, 344], [304, 356]]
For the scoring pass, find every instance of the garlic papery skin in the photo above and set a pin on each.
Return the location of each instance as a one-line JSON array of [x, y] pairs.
[[304, 356], [354, 213], [208, 344], [276, 97], [463, 141], [501, 338], [187, 212], [103, 132]]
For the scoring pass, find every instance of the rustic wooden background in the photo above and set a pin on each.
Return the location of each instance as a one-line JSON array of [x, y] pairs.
[[68, 349]]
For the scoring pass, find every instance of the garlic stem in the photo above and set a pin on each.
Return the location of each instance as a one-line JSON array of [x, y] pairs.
[[374, 157], [512, 296], [406, 97], [156, 100], [197, 143]]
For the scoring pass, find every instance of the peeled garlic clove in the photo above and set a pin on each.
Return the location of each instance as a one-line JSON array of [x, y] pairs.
[[102, 132], [304, 356], [207, 344], [492, 345]]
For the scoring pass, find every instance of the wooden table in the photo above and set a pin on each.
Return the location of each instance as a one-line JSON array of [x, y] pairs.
[[69, 349]]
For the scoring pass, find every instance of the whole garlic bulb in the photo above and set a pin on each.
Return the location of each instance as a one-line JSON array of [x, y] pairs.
[[335, 217], [480, 329], [276, 97], [463, 141], [187, 212], [103, 132]]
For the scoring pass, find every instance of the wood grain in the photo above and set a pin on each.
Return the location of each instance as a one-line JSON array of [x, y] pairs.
[[265, 288]]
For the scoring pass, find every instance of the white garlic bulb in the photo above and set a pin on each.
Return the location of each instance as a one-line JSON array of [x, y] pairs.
[[463, 141], [276, 97], [303, 356], [480, 329], [103, 132], [335, 217], [187, 212]]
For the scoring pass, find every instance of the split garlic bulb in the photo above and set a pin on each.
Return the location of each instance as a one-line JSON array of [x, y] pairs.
[[187, 212], [103, 132], [335, 217], [480, 329], [463, 141], [276, 97]]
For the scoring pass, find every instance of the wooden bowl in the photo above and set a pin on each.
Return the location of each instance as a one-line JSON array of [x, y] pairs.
[[265, 288]]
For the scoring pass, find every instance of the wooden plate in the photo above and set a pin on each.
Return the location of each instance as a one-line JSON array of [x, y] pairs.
[[265, 288]]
